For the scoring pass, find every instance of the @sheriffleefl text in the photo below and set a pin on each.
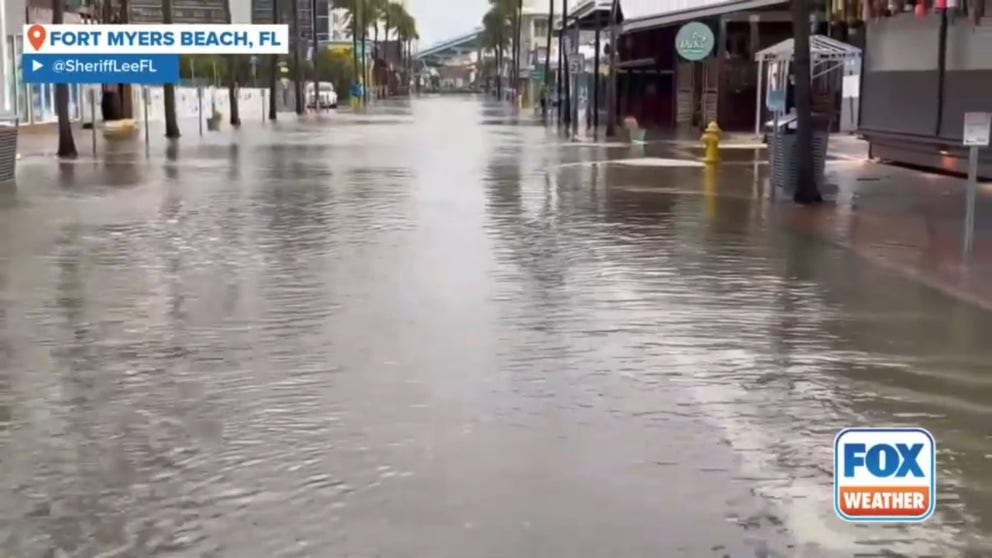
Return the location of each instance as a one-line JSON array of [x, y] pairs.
[[109, 65]]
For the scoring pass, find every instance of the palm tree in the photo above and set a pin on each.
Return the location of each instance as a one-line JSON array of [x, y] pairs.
[[169, 89], [495, 30], [273, 67], [358, 15], [392, 15], [511, 13], [806, 190], [377, 11], [233, 75], [67, 147]]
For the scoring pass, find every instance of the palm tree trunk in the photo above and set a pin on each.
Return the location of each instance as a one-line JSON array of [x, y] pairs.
[[547, 57], [169, 89], [273, 67], [109, 99], [517, 53], [365, 58], [297, 67], [385, 33], [233, 75], [499, 66], [127, 104], [354, 44], [67, 147], [376, 53], [806, 190]]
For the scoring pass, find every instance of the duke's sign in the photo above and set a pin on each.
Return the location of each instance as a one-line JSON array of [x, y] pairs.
[[694, 41]]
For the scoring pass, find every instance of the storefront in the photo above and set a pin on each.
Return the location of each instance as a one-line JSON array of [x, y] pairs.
[[713, 79], [922, 72], [35, 103]]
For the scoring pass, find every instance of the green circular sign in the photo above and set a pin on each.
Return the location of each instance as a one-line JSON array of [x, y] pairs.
[[694, 41]]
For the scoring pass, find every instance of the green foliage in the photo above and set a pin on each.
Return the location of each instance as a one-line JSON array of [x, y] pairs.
[[338, 68]]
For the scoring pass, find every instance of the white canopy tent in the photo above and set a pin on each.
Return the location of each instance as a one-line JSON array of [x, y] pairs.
[[826, 55]]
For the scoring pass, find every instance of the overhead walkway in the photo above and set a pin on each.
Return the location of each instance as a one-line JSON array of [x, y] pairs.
[[440, 53]]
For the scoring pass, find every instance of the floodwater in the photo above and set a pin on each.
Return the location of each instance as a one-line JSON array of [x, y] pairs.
[[433, 331]]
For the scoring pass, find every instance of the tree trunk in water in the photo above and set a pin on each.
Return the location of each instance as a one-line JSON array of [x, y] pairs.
[[234, 76], [547, 59], [354, 46], [376, 53], [388, 86], [806, 190], [169, 89], [297, 67], [499, 67], [110, 104], [365, 59], [273, 67], [171, 123], [67, 147]]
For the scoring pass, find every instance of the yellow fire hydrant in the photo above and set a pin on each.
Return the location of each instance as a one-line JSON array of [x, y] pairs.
[[711, 144]]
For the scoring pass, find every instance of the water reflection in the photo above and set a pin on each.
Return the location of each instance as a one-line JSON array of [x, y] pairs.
[[431, 331]]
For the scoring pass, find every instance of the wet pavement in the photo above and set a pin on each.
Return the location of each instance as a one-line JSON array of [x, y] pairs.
[[437, 330]]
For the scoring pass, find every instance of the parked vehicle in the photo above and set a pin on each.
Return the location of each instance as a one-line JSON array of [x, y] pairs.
[[328, 97]]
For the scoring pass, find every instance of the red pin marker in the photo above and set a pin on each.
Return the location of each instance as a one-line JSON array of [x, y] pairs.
[[36, 36]]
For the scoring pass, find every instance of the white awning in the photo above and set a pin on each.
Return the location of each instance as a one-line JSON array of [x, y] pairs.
[[821, 49], [647, 14]]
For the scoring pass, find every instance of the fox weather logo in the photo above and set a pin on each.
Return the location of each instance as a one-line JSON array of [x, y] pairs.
[[884, 474]]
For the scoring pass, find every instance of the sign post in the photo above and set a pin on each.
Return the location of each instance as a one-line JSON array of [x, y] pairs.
[[775, 102], [976, 134]]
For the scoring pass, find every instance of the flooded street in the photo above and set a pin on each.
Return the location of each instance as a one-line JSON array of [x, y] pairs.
[[434, 331]]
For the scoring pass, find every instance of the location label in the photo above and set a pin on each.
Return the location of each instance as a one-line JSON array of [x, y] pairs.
[[36, 36]]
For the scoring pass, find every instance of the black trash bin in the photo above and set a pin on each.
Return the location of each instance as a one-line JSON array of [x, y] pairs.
[[783, 151]]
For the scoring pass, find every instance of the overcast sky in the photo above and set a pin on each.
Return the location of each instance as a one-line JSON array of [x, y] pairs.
[[438, 20]]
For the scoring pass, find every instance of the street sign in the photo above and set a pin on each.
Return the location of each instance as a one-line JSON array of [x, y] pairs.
[[976, 134], [976, 128]]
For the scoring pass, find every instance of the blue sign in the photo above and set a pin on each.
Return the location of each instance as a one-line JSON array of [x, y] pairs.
[[775, 97], [149, 69], [694, 41], [775, 102]]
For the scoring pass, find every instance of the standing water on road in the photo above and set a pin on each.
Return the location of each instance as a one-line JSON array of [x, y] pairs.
[[435, 330]]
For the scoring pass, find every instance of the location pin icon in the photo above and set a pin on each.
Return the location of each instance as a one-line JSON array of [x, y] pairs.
[[36, 36]]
